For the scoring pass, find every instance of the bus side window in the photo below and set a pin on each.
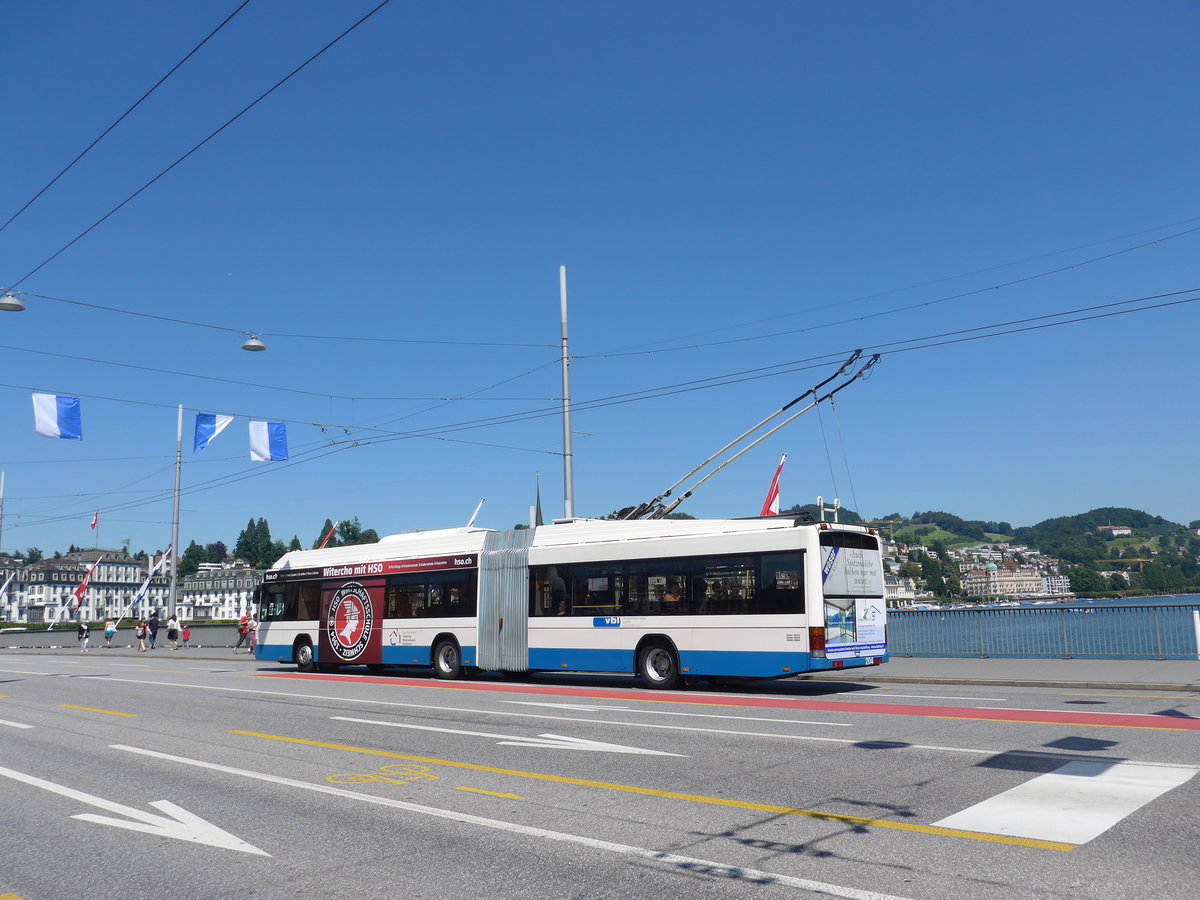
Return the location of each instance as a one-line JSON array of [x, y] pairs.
[[549, 589], [782, 584], [308, 601]]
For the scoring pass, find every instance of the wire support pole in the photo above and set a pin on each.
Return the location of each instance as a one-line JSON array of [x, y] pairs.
[[568, 457], [175, 516]]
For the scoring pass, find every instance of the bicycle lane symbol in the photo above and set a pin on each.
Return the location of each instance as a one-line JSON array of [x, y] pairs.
[[395, 774]]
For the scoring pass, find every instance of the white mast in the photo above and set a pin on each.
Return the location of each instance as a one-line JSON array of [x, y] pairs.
[[568, 471]]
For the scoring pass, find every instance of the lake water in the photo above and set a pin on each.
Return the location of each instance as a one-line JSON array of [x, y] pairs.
[[1137, 628]]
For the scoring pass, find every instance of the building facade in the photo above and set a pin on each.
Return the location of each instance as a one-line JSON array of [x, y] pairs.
[[44, 591], [218, 591]]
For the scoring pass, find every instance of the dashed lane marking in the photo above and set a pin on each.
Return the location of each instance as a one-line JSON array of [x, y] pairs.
[[107, 712], [685, 864], [491, 793], [857, 821]]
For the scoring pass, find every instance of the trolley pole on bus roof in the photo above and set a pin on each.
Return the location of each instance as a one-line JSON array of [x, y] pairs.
[[568, 473]]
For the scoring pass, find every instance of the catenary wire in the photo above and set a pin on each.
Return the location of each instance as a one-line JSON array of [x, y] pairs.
[[245, 109], [931, 342], [898, 309], [122, 117]]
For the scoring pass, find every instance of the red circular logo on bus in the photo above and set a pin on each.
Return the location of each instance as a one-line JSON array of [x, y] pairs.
[[349, 620]]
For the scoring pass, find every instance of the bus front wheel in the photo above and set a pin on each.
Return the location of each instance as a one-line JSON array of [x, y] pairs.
[[304, 657], [659, 667], [447, 663]]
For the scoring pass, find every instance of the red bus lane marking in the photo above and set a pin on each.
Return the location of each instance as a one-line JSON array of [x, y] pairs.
[[1023, 716]]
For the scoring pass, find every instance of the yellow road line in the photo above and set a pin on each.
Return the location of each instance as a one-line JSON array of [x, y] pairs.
[[688, 798], [107, 712], [491, 793]]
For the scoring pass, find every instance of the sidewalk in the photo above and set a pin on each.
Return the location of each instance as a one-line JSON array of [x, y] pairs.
[[1127, 674]]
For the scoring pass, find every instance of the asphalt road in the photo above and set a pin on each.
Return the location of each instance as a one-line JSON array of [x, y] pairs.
[[181, 775]]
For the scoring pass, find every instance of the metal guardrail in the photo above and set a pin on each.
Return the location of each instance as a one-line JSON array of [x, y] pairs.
[[1064, 632]]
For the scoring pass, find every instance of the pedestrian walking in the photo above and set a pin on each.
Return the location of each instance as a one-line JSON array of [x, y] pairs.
[[173, 632], [152, 625], [82, 632], [140, 633], [186, 634], [243, 632], [252, 627], [110, 631]]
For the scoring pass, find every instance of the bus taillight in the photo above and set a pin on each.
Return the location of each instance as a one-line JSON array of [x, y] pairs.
[[816, 640]]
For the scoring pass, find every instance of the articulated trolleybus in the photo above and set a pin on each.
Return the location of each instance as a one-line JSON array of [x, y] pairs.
[[667, 599]]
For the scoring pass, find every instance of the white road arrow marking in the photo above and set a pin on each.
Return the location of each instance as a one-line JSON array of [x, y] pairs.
[[182, 825], [571, 706], [554, 741], [14, 724]]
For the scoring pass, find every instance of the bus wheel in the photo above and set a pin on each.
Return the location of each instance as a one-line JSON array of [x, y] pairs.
[[446, 661], [303, 652], [659, 667]]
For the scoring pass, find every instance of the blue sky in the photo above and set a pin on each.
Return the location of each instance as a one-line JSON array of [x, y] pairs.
[[742, 194]]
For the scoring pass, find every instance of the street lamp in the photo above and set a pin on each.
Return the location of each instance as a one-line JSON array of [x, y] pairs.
[[10, 302], [253, 343]]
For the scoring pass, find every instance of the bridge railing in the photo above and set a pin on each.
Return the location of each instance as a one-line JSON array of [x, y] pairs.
[[1064, 632]]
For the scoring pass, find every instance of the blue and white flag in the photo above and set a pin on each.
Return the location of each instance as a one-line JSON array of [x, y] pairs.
[[208, 426], [56, 416], [145, 588], [268, 442]]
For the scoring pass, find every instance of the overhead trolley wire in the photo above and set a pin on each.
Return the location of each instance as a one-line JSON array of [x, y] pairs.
[[245, 109], [123, 116], [898, 309], [1100, 311]]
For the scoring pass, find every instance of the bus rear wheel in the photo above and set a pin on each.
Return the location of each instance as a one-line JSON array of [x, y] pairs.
[[447, 663], [303, 653], [659, 667]]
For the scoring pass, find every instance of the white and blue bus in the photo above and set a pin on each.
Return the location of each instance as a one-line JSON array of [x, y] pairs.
[[667, 599]]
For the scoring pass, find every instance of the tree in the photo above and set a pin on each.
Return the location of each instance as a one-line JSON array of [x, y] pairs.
[[1086, 581], [247, 543], [32, 555], [350, 531], [295, 544], [217, 551], [255, 546], [325, 529], [189, 563]]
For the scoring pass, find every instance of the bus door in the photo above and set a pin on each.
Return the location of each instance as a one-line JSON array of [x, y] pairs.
[[504, 601], [352, 622]]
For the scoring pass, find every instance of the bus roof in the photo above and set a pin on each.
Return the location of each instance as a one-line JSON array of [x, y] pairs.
[[563, 532]]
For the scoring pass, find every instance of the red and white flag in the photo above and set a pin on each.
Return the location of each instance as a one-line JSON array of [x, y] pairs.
[[328, 536], [82, 589], [95, 519], [771, 504]]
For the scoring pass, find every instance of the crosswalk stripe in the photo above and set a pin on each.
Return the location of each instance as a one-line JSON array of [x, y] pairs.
[[1074, 803]]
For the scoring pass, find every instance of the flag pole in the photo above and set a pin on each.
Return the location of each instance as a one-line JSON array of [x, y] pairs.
[[175, 514], [568, 472]]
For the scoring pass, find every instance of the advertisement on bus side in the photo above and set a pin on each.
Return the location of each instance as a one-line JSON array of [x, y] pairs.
[[352, 623]]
